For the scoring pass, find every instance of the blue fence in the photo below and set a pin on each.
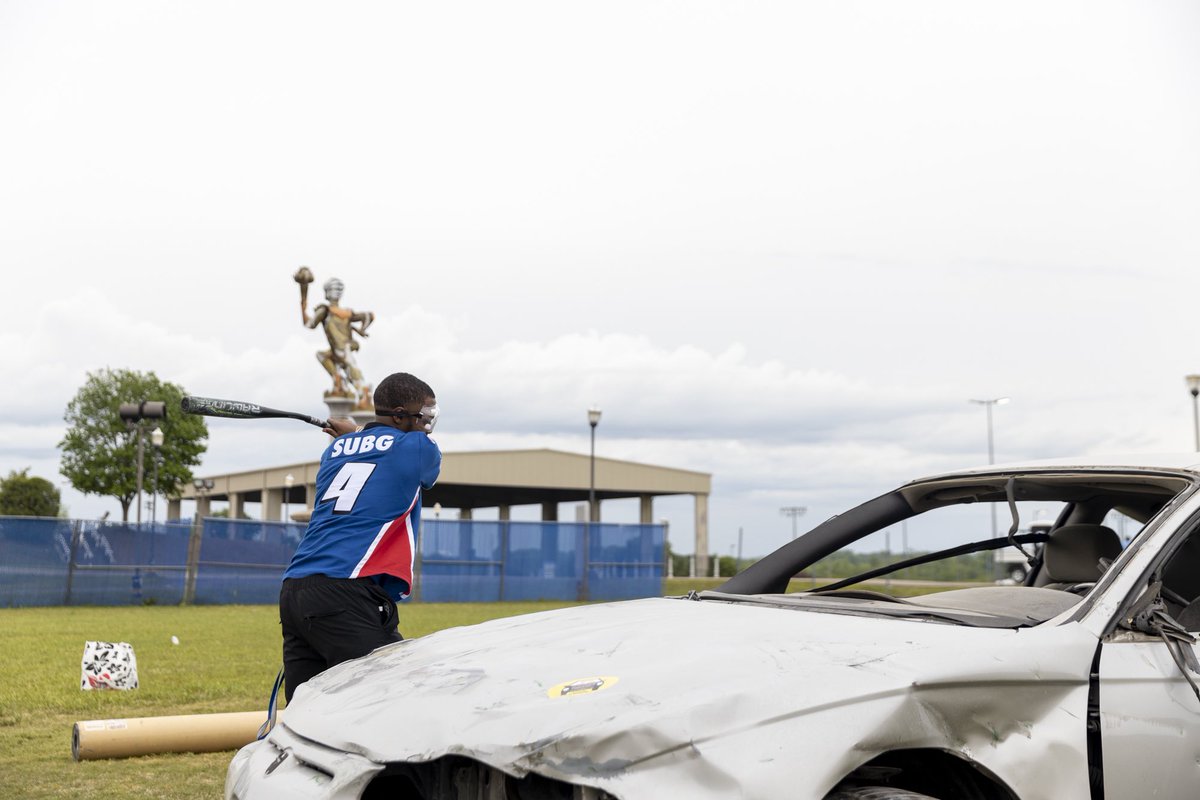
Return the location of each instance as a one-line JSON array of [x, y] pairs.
[[481, 561], [47, 562]]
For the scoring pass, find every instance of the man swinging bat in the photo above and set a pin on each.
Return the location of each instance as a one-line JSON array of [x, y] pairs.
[[338, 599]]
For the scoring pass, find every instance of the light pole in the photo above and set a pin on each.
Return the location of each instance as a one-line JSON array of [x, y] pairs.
[[141, 446], [156, 439], [1193, 384], [133, 414], [593, 420], [795, 512], [988, 403], [666, 526], [203, 486], [288, 480]]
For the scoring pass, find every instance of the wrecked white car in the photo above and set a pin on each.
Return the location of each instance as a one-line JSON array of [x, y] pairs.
[[1081, 683]]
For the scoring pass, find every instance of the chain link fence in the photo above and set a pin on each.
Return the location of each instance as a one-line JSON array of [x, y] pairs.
[[46, 562]]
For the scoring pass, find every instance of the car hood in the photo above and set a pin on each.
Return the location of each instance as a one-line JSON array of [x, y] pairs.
[[597, 691]]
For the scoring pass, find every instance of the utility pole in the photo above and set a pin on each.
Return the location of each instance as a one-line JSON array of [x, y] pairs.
[[988, 403], [737, 567]]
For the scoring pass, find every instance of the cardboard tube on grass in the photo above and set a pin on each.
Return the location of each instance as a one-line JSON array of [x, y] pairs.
[[141, 736]]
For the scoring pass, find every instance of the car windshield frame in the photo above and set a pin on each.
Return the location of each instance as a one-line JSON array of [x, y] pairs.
[[1087, 493]]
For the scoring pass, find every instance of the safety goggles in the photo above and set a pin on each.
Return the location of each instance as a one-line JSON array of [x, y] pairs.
[[427, 417]]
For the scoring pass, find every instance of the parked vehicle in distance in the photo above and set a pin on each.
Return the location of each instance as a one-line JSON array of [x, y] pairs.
[[1079, 683], [1012, 565]]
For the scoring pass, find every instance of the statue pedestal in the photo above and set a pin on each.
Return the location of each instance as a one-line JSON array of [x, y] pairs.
[[339, 406], [347, 408]]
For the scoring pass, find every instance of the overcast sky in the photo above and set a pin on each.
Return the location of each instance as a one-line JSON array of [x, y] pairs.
[[780, 242]]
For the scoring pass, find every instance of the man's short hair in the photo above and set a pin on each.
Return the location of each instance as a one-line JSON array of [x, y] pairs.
[[400, 389]]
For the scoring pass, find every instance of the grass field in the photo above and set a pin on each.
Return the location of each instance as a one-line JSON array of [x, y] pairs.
[[226, 660]]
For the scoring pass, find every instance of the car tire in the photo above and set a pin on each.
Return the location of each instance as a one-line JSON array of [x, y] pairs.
[[876, 793]]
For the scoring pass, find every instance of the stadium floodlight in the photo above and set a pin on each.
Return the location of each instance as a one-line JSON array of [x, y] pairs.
[[133, 414]]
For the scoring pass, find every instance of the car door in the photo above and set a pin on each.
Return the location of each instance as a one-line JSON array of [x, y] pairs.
[[1149, 720]]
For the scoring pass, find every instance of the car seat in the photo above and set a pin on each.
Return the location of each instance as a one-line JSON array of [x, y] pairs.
[[1076, 555]]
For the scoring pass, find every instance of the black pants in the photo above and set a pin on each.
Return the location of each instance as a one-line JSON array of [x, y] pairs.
[[330, 620]]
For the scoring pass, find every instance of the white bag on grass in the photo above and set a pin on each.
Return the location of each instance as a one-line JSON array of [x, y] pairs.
[[108, 665]]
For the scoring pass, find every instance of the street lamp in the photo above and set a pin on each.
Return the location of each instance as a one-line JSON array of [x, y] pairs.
[[988, 403], [1193, 384], [132, 414], [666, 526], [203, 486], [593, 420], [156, 439], [288, 480]]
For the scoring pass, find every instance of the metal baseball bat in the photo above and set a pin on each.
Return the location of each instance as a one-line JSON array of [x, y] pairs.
[[238, 409]]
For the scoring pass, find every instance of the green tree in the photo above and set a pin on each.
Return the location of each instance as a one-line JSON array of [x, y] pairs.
[[99, 452], [23, 495]]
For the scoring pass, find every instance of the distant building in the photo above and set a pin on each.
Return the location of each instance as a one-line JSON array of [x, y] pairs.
[[484, 479]]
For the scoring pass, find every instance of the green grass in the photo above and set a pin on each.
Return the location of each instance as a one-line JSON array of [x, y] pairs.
[[226, 660]]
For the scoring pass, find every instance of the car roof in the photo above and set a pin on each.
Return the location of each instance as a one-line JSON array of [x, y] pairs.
[[1151, 462]]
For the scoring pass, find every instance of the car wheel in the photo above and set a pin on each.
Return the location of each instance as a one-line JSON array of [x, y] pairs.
[[876, 793]]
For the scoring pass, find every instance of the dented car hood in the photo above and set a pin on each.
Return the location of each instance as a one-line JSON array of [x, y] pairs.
[[624, 696]]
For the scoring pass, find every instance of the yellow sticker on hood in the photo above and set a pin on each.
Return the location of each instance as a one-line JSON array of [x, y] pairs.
[[582, 686]]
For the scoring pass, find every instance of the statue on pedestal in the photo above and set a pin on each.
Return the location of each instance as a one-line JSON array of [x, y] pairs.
[[340, 325]]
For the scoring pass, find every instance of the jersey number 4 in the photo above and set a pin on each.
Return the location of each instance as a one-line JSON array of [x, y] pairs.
[[347, 485]]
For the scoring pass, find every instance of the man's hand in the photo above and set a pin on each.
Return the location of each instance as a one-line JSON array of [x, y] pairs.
[[339, 426]]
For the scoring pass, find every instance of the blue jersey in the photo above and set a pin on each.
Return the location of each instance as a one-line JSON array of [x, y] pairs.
[[368, 507]]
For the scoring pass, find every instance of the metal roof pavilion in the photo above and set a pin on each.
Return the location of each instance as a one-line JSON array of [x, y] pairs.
[[480, 479]]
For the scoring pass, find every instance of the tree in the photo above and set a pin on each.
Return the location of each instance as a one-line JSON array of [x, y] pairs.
[[99, 452], [23, 495]]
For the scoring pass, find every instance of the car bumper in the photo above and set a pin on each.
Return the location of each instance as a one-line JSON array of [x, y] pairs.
[[284, 765]]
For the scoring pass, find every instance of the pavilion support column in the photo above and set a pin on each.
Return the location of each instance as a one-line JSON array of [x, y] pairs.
[[646, 514], [203, 506], [505, 513], [272, 507], [174, 508], [464, 534], [549, 512], [310, 494], [236, 505], [702, 565]]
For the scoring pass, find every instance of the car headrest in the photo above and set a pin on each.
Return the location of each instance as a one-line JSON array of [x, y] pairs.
[[1072, 553]]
